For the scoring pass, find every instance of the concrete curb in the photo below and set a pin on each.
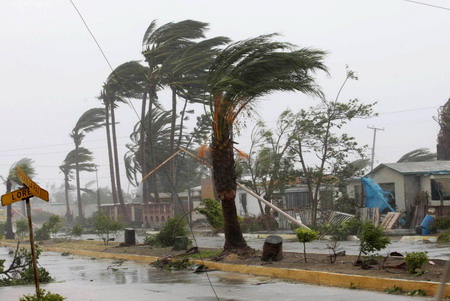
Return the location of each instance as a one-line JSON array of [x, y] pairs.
[[304, 276]]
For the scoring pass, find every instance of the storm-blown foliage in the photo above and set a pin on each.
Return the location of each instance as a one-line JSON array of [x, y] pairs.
[[241, 73]]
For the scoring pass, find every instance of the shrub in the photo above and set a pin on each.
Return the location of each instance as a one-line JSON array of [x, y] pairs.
[[415, 260], [441, 223], [42, 233], [77, 230], [371, 239], [166, 237], [43, 296], [305, 235], [105, 226], [174, 227], [340, 231], [444, 237], [212, 210], [22, 227]]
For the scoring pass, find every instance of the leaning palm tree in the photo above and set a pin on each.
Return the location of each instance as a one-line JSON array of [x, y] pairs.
[[91, 120], [418, 155], [125, 82], [171, 59], [242, 73], [13, 181], [85, 158]]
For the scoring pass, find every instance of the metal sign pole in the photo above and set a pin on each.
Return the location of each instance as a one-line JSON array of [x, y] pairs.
[[33, 251]]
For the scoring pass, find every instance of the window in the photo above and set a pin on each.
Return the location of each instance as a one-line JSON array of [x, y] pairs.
[[440, 189], [297, 199]]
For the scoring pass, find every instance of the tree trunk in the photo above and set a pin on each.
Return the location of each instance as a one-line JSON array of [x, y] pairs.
[[151, 150], [145, 190], [110, 156], [172, 163], [69, 216], [225, 182], [77, 176], [116, 161], [9, 229]]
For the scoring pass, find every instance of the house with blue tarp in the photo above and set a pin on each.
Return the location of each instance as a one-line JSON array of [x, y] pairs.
[[408, 184]]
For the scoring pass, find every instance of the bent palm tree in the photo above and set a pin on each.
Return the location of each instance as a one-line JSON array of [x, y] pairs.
[[240, 74], [126, 81], [85, 158], [91, 120], [418, 155]]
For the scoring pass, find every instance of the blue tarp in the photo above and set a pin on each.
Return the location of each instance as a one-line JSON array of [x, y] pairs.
[[375, 196]]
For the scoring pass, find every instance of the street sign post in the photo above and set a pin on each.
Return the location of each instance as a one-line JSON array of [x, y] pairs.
[[15, 196], [31, 189]]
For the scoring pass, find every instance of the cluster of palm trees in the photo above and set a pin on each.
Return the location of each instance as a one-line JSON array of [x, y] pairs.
[[225, 77]]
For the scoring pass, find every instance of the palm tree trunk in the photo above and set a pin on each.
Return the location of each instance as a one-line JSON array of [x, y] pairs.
[[66, 194], [77, 177], [172, 150], [145, 190], [116, 161], [152, 164], [225, 182], [9, 229], [110, 155]]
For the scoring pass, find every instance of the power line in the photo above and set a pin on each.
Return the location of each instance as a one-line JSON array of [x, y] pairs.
[[426, 4]]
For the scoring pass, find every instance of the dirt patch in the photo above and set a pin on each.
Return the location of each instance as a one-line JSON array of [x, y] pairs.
[[386, 267]]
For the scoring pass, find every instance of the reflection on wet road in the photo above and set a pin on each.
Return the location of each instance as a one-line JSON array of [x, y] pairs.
[[83, 279]]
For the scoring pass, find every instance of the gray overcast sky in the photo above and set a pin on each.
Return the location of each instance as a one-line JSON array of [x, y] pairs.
[[51, 70]]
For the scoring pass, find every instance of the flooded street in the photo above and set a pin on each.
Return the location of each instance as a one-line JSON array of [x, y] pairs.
[[80, 278]]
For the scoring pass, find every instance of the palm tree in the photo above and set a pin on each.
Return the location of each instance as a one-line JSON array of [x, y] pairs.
[[126, 81], [418, 155], [160, 135], [176, 60], [85, 159], [91, 120], [242, 73], [12, 179]]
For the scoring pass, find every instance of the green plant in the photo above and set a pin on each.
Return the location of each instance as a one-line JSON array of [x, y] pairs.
[[22, 227], [42, 233], [305, 235], [418, 292], [371, 239], [395, 290], [20, 270], [105, 226], [55, 223], [174, 227], [415, 260], [77, 230], [212, 210], [43, 296], [444, 237]]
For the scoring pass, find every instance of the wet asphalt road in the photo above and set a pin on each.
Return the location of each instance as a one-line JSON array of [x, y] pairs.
[[83, 279]]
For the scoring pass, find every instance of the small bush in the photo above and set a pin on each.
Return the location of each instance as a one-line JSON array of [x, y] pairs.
[[43, 296], [415, 260], [42, 233], [212, 210], [22, 227], [166, 237], [444, 237], [305, 235], [371, 239]]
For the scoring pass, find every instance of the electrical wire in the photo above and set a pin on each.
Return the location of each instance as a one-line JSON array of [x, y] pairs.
[[142, 124], [426, 4]]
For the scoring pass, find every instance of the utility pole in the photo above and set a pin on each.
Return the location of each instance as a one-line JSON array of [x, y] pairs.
[[373, 143]]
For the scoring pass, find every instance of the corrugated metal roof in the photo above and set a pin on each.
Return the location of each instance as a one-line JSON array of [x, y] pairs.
[[428, 167]]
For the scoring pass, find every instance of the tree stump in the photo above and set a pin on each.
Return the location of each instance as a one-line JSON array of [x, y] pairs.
[[130, 237], [273, 248], [181, 243]]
